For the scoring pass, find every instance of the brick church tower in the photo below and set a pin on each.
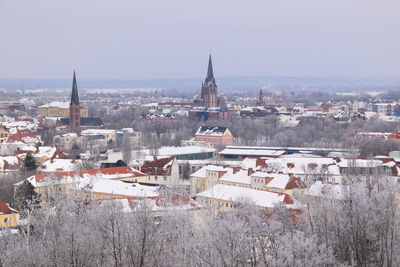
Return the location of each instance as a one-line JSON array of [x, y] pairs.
[[261, 101], [209, 88], [75, 108]]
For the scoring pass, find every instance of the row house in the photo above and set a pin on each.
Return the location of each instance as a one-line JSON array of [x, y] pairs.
[[64, 182], [133, 196], [211, 175], [224, 197], [162, 171]]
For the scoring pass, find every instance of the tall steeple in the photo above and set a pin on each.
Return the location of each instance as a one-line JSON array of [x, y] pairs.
[[75, 108], [74, 94], [210, 81], [261, 98]]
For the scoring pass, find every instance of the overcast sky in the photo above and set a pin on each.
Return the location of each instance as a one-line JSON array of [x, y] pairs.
[[131, 39]]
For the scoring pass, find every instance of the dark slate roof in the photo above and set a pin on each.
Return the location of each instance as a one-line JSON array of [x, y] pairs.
[[84, 121], [210, 80], [74, 94], [211, 130]]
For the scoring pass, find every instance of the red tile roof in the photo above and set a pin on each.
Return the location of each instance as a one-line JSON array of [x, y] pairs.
[[20, 135], [159, 163], [295, 182], [149, 167], [5, 209], [107, 171]]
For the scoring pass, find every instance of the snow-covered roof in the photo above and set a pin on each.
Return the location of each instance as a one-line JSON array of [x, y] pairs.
[[250, 152], [129, 130], [97, 131], [45, 151], [230, 163], [75, 177], [279, 181], [29, 148], [60, 165], [166, 151], [211, 130], [201, 173], [151, 104], [258, 197], [56, 104], [117, 187], [248, 163], [303, 165], [367, 163], [72, 135], [241, 177], [9, 161]]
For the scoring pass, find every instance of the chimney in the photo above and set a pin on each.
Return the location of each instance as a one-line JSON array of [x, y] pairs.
[[235, 169], [250, 171], [154, 157]]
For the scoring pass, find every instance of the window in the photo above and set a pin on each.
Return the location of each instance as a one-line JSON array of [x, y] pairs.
[[155, 178], [5, 220], [165, 178]]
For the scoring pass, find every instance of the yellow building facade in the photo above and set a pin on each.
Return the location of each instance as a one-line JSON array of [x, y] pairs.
[[59, 109], [3, 135], [8, 216]]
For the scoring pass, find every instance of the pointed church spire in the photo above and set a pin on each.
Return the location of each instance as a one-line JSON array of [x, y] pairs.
[[210, 73], [261, 98], [210, 81], [74, 94]]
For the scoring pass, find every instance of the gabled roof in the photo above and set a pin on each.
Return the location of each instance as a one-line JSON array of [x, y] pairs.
[[159, 163], [158, 166], [202, 172], [25, 136], [10, 163], [211, 130]]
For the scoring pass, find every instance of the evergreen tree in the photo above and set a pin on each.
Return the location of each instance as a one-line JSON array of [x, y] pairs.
[[30, 164], [25, 196]]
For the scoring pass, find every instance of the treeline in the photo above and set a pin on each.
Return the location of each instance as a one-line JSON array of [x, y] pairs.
[[360, 230]]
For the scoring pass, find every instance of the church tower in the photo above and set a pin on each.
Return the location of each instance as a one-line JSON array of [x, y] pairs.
[[261, 102], [209, 87], [75, 108]]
